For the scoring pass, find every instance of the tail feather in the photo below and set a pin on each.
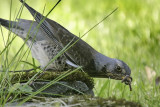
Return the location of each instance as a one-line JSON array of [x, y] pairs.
[[4, 22], [20, 28], [8, 24]]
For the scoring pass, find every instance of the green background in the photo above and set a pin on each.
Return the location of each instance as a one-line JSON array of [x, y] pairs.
[[131, 34]]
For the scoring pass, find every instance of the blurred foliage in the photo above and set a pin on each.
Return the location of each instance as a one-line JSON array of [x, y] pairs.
[[131, 34]]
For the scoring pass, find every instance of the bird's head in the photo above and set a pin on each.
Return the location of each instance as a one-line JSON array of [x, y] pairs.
[[119, 70], [116, 68], [113, 68]]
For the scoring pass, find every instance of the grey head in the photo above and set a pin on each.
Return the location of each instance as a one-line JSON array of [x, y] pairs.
[[112, 67]]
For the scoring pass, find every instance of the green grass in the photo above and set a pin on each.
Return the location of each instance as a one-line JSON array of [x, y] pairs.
[[131, 34]]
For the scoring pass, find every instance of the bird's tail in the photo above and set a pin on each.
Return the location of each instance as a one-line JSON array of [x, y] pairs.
[[21, 27], [13, 26], [7, 24]]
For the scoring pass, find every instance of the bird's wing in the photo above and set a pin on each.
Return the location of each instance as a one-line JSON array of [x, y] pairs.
[[81, 53]]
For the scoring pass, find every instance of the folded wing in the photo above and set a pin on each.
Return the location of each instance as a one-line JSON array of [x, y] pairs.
[[80, 53]]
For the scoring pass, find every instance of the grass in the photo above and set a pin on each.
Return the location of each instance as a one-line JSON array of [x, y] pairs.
[[131, 34]]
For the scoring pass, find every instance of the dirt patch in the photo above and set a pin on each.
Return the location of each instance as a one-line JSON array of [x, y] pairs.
[[79, 101]]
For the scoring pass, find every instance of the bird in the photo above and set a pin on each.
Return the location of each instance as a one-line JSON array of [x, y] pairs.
[[47, 38]]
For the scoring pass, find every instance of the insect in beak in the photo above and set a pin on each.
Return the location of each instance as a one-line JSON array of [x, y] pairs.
[[127, 80]]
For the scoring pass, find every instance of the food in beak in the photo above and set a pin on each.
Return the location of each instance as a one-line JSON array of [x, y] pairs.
[[127, 80]]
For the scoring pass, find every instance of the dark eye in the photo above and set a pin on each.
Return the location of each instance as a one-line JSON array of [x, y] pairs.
[[119, 68]]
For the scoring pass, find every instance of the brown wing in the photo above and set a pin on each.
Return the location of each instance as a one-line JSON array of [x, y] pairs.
[[81, 52]]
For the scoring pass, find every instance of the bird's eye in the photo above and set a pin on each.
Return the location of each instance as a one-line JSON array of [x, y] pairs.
[[119, 68]]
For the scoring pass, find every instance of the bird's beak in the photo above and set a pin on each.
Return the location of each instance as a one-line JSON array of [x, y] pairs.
[[127, 79]]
